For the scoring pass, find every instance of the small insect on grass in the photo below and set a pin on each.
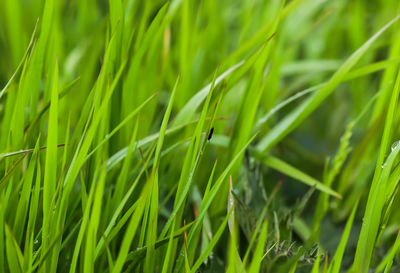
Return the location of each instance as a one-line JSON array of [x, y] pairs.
[[210, 134]]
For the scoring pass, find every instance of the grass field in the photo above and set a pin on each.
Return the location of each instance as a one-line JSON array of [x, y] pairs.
[[199, 136]]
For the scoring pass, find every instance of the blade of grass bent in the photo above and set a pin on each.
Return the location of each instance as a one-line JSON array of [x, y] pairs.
[[297, 116]]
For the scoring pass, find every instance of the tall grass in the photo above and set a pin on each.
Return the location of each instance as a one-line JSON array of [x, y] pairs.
[[199, 136]]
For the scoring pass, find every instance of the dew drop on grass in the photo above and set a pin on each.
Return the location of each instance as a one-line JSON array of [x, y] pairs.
[[36, 242], [395, 145]]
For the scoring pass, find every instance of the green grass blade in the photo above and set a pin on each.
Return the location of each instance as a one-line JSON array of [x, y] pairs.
[[291, 171], [293, 120], [259, 251], [376, 198]]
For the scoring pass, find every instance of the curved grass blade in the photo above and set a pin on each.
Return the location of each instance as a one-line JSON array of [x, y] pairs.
[[297, 116]]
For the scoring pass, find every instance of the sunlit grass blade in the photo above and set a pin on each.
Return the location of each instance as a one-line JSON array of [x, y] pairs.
[[376, 198], [50, 173]]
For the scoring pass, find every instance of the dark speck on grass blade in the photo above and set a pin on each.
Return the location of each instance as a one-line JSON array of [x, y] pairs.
[[210, 134]]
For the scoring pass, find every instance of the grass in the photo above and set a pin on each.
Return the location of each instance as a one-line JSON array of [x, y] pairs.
[[199, 136]]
